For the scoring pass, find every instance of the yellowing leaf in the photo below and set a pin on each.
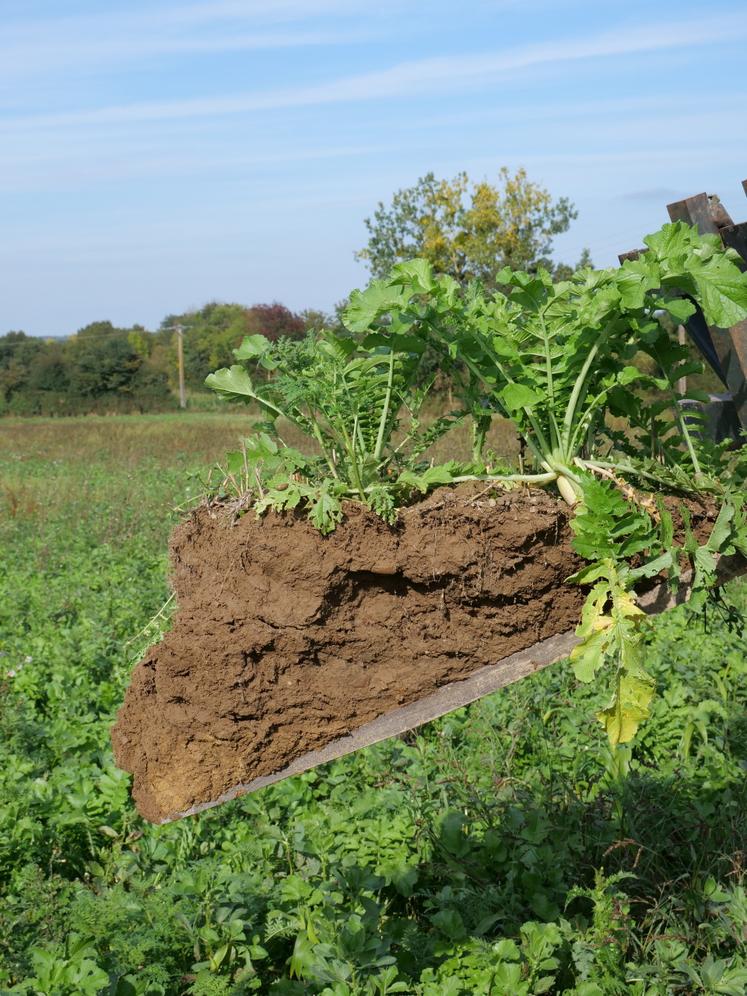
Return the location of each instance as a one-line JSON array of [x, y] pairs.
[[629, 706], [625, 605], [588, 657]]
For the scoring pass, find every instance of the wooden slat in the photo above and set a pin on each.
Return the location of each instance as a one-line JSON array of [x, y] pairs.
[[735, 237], [711, 218]]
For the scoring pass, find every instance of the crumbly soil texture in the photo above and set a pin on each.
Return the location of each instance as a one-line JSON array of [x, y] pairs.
[[284, 639]]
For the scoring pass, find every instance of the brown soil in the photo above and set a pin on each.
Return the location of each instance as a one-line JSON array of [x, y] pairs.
[[285, 640]]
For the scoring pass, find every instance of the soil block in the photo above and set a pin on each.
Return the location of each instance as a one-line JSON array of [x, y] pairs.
[[284, 640]]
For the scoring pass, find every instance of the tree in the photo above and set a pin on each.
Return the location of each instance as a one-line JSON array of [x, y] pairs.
[[212, 333], [467, 229], [314, 320], [19, 354], [100, 359], [49, 371], [275, 321]]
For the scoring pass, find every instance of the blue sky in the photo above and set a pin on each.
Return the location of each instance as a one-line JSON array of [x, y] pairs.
[[157, 155]]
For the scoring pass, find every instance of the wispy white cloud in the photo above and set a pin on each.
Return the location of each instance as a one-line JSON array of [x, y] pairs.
[[664, 107], [241, 10], [145, 17], [49, 54], [69, 166], [414, 77], [41, 47]]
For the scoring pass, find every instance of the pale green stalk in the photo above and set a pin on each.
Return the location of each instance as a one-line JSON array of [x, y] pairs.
[[578, 388], [550, 382], [547, 478], [385, 410]]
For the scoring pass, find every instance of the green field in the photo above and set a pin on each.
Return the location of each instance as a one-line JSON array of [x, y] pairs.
[[499, 851]]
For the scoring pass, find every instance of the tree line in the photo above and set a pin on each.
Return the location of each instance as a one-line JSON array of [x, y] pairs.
[[468, 229], [107, 368]]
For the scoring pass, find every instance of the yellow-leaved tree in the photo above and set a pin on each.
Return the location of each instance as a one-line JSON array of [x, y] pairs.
[[469, 229]]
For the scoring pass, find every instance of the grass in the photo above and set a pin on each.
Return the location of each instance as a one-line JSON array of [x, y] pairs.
[[501, 849]]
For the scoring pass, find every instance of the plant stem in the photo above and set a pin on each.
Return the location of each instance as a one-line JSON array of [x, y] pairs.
[[680, 419], [687, 437], [385, 410], [567, 491], [480, 428], [547, 478], [578, 388], [550, 383], [625, 468], [583, 426], [353, 460], [320, 439]]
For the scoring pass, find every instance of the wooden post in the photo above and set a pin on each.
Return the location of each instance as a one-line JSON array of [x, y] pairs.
[[728, 345]]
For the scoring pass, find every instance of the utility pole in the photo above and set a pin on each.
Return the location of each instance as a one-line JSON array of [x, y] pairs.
[[179, 329], [180, 359]]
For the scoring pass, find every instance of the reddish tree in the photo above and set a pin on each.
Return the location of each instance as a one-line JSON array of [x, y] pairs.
[[274, 321]]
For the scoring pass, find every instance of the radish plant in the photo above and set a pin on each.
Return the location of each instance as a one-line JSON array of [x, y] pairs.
[[562, 362], [559, 361], [349, 399]]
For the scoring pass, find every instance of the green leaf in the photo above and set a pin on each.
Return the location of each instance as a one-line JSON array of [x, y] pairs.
[[252, 347], [449, 922], [697, 264], [629, 374], [592, 572], [261, 446], [672, 240], [339, 347], [325, 511], [517, 396], [653, 567], [399, 342], [367, 306], [680, 308], [722, 527], [303, 957], [430, 478], [705, 560], [232, 381], [416, 275], [722, 293], [635, 279], [588, 657], [507, 950]]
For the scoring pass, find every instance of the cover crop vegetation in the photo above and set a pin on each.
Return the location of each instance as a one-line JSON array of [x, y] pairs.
[[349, 399], [497, 851], [561, 361]]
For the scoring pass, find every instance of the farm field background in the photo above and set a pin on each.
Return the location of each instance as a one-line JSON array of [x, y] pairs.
[[499, 850]]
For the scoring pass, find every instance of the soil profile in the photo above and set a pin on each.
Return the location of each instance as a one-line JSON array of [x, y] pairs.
[[284, 640]]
